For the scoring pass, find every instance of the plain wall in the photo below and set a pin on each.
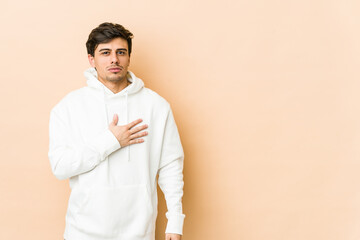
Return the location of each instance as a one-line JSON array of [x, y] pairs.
[[265, 95]]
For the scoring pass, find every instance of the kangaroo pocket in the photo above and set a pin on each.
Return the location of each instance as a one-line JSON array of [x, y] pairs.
[[111, 212]]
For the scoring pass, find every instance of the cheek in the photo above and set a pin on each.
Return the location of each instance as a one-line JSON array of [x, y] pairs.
[[127, 62], [100, 65]]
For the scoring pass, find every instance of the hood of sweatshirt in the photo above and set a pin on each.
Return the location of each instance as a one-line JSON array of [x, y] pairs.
[[92, 81], [108, 96]]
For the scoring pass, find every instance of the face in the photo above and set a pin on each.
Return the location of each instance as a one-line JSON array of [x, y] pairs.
[[111, 60]]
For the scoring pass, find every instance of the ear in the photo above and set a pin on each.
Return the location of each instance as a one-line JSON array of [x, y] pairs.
[[91, 60]]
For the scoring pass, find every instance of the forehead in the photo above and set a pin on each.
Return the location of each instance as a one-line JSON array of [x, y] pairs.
[[115, 43]]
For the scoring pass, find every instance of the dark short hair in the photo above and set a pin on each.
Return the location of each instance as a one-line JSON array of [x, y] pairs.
[[106, 32]]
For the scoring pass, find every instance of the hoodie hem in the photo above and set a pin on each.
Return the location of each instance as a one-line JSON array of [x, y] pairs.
[[71, 233]]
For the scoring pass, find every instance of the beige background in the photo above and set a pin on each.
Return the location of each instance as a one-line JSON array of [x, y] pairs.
[[265, 95]]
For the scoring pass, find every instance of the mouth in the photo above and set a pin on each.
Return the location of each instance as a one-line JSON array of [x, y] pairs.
[[114, 69]]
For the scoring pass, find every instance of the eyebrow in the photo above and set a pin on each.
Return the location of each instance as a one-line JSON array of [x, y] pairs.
[[108, 49]]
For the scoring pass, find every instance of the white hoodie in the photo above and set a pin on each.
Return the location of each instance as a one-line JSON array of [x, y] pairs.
[[114, 194]]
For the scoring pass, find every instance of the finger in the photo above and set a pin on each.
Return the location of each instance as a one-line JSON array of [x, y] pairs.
[[135, 141], [134, 123], [115, 119], [138, 129], [137, 135]]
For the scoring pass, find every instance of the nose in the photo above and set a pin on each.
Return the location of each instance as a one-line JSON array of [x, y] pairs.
[[114, 58]]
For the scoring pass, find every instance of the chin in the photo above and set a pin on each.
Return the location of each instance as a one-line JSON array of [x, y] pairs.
[[116, 79]]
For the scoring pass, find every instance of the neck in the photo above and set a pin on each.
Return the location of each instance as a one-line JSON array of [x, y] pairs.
[[116, 86]]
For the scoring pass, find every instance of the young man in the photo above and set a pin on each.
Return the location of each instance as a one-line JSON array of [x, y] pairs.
[[112, 139]]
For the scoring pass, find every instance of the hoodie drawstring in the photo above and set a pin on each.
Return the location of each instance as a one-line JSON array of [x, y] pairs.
[[106, 125], [105, 107], [127, 121]]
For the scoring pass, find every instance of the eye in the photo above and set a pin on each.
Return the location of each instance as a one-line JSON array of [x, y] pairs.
[[105, 52], [121, 52]]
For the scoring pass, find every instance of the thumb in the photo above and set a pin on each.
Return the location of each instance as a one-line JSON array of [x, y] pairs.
[[115, 120]]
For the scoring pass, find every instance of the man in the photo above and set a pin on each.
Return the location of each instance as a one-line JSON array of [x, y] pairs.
[[112, 139]]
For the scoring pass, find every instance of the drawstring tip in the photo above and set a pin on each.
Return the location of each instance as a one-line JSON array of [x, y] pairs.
[[128, 154]]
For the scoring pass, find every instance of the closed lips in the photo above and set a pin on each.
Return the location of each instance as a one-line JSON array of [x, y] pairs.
[[117, 69]]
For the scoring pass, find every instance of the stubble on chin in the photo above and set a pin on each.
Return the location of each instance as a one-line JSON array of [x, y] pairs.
[[116, 79]]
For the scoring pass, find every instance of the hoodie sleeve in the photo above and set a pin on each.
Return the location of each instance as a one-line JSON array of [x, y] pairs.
[[67, 158], [171, 176]]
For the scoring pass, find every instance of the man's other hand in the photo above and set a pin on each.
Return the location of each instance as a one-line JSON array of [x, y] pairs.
[[172, 236], [128, 134]]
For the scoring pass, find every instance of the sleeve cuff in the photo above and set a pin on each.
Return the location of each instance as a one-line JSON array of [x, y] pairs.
[[105, 144], [175, 223]]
